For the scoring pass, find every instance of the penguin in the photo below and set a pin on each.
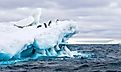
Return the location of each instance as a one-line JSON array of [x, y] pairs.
[[57, 20], [39, 26], [45, 25], [49, 23]]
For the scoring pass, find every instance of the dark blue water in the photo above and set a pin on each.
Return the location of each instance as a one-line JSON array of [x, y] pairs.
[[104, 58]]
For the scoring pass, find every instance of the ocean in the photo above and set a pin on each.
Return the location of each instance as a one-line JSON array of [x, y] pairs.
[[103, 58]]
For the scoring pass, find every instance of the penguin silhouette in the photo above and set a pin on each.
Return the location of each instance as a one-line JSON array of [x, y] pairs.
[[45, 25], [39, 26], [49, 23], [57, 20]]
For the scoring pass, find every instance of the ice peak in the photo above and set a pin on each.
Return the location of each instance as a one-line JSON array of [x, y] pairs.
[[36, 15]]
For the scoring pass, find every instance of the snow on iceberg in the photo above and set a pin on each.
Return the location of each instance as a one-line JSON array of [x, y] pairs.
[[31, 42]]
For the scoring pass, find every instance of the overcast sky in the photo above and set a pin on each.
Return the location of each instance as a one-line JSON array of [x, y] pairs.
[[96, 18]]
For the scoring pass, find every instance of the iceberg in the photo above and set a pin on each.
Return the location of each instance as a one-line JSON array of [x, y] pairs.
[[30, 42]]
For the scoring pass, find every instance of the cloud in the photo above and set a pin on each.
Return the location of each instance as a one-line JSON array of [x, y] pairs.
[[96, 18], [64, 4], [15, 14]]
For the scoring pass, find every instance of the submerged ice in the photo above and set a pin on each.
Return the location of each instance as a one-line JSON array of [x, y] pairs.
[[23, 40]]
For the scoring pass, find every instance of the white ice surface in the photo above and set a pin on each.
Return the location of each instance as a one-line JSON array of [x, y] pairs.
[[13, 39]]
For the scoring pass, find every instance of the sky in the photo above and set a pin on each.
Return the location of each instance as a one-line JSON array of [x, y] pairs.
[[96, 18]]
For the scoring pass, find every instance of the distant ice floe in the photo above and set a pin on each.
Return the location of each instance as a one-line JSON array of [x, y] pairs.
[[92, 41], [23, 40]]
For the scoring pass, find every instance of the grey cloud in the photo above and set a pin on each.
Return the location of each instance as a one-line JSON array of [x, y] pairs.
[[15, 14], [64, 4], [10, 4], [93, 16], [73, 4]]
